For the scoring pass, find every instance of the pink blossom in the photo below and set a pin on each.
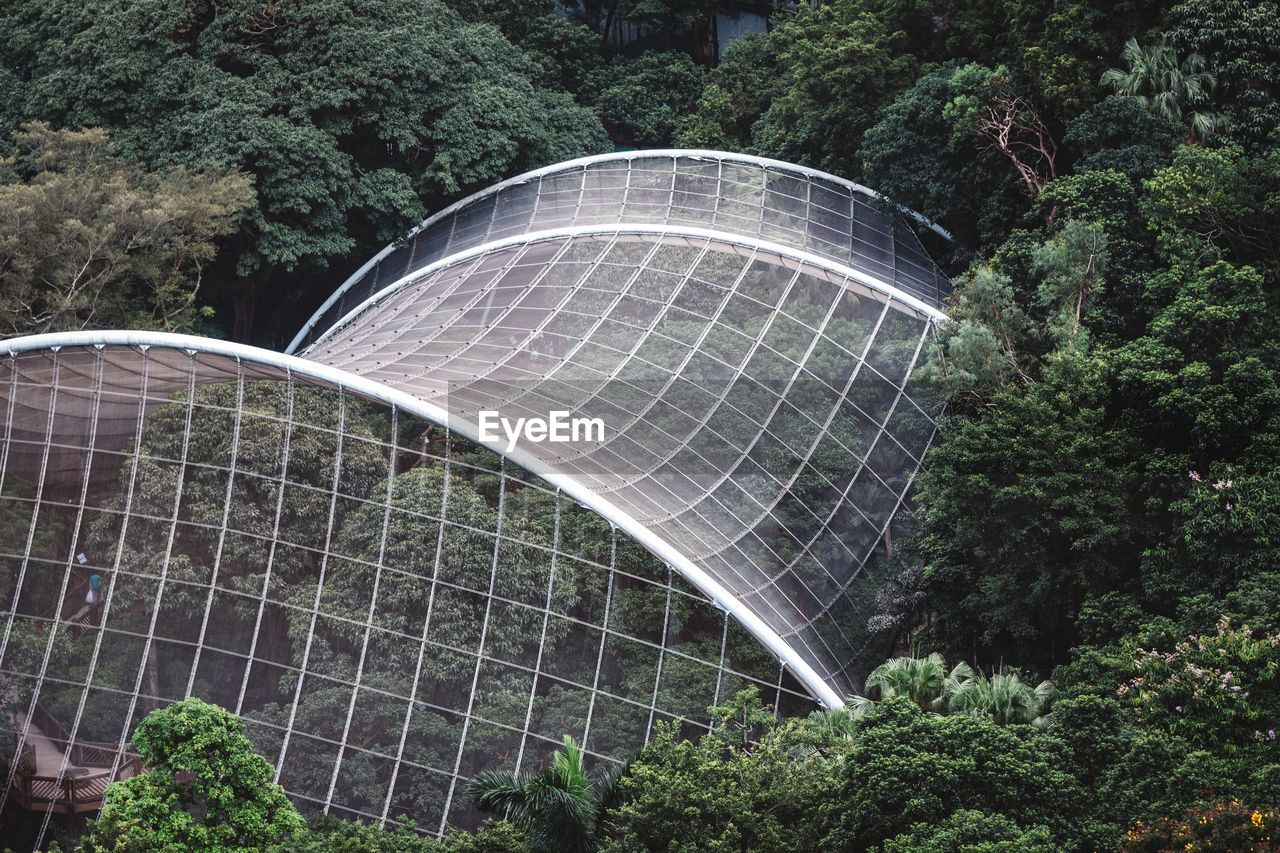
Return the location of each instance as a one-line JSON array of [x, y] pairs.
[[1194, 475]]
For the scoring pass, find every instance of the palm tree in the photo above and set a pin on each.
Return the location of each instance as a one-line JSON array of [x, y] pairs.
[[560, 808], [1005, 698], [1168, 87], [925, 681]]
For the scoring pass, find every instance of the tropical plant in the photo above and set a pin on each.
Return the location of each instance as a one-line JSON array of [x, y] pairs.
[[1004, 697], [1173, 88], [559, 807], [205, 789], [925, 681]]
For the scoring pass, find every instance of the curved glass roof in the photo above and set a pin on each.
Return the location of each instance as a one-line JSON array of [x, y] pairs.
[[373, 553], [733, 194], [757, 418], [389, 606]]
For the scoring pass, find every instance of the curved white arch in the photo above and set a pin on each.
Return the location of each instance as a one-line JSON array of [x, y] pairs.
[[889, 291], [379, 392], [582, 162]]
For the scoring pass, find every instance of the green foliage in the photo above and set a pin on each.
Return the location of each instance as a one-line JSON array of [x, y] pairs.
[[724, 793], [568, 52], [1173, 88], [1241, 38], [1029, 496], [352, 116], [1218, 203], [1004, 698], [971, 831], [838, 65], [559, 808], [329, 835], [204, 789], [918, 155], [738, 93], [906, 767], [89, 239], [1221, 827], [641, 100], [925, 681], [980, 350], [1120, 134]]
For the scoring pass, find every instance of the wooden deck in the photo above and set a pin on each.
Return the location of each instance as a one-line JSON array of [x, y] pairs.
[[36, 784]]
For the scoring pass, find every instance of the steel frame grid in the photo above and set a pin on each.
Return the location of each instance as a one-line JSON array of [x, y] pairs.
[[813, 668]]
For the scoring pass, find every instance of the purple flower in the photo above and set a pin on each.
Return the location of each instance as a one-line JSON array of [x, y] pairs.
[[1271, 734], [1194, 475], [1178, 708]]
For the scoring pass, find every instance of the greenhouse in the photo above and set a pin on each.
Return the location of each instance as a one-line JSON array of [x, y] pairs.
[[340, 545]]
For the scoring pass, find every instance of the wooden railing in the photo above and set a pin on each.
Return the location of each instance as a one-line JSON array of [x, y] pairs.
[[81, 789], [84, 780]]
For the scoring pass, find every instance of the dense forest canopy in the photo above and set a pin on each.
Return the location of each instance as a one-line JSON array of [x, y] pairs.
[[1100, 509]]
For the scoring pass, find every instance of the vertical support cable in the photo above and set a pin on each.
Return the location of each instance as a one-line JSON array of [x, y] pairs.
[[604, 632], [275, 538], [110, 590], [484, 635], [777, 699], [724, 647], [373, 601], [324, 565], [67, 574], [164, 566], [426, 629], [222, 530], [662, 651], [22, 570], [542, 643]]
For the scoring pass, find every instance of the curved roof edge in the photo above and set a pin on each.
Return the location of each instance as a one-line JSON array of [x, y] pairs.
[[691, 153], [379, 392], [889, 291]]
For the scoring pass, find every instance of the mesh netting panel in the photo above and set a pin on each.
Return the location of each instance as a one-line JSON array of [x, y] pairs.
[[389, 607], [731, 194], [758, 412]]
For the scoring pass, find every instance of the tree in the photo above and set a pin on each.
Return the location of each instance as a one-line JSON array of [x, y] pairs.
[[972, 831], [88, 239], [807, 91], [1004, 697], [987, 345], [729, 792], [1243, 39], [992, 109], [204, 789], [1120, 134], [918, 155], [737, 93], [641, 100], [906, 767], [839, 65], [1072, 266], [925, 681], [1029, 494], [354, 117], [560, 807], [1174, 89]]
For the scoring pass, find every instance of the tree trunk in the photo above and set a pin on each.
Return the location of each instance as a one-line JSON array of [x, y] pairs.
[[244, 303]]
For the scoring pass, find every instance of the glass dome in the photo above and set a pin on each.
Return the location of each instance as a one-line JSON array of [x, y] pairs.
[[343, 547]]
